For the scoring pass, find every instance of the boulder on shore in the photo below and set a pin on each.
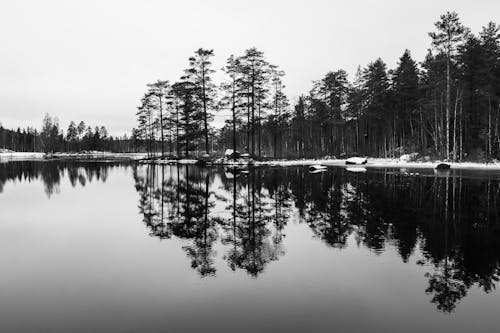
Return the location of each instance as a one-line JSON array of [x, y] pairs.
[[356, 160], [231, 154], [409, 157]]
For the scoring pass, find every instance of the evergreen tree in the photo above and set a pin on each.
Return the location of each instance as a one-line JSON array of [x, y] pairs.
[[451, 33], [199, 74]]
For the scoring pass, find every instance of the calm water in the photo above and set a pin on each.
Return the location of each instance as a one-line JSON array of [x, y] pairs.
[[130, 248]]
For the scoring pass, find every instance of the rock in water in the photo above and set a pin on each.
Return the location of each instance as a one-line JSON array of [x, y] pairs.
[[356, 160], [317, 167], [442, 166]]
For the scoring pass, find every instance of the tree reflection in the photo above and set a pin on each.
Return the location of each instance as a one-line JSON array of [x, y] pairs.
[[253, 244], [52, 173], [447, 223], [177, 202], [183, 208]]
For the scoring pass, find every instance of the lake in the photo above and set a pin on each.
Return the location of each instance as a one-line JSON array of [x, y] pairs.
[[110, 246]]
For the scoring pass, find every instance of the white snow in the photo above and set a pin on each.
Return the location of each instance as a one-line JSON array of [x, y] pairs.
[[28, 156], [371, 162], [384, 163], [13, 156]]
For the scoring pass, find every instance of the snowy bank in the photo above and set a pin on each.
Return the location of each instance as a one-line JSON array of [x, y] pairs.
[[33, 156], [27, 156], [383, 163]]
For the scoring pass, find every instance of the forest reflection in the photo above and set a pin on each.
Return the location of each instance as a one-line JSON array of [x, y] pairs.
[[181, 202], [448, 223], [51, 173]]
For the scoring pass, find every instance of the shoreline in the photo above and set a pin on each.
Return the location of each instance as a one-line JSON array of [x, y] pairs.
[[95, 156], [372, 162]]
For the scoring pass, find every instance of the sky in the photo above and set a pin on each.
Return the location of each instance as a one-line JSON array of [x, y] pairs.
[[91, 60]]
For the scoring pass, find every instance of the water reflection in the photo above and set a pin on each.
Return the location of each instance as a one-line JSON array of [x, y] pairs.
[[180, 202], [447, 223], [51, 173]]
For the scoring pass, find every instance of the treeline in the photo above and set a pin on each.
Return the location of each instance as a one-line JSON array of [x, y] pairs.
[[446, 106], [51, 138]]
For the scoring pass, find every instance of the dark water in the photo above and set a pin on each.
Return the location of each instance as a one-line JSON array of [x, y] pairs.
[[136, 248]]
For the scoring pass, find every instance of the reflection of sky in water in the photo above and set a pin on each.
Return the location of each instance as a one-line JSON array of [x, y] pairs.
[[83, 259]]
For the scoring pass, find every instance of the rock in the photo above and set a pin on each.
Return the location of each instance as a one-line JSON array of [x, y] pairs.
[[409, 157], [356, 160], [404, 158], [231, 154], [442, 166], [317, 167]]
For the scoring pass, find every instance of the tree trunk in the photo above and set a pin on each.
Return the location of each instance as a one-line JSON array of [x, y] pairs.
[[448, 88], [204, 97]]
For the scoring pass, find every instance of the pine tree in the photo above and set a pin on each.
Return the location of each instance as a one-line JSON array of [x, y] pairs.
[[232, 94], [199, 74], [255, 71], [406, 94], [190, 116], [161, 91], [450, 34]]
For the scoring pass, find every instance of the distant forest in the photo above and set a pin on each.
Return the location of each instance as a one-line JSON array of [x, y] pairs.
[[51, 138], [447, 106]]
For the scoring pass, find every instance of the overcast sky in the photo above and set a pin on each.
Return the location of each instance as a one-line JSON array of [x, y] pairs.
[[90, 60]]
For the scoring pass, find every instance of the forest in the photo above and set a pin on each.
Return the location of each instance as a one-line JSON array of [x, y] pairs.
[[446, 106], [50, 139]]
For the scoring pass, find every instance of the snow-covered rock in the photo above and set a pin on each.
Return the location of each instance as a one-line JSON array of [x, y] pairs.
[[316, 167], [356, 160], [405, 158], [409, 157]]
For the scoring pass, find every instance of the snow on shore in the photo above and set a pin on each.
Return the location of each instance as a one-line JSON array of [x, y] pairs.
[[33, 156], [384, 163], [14, 156], [372, 162]]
